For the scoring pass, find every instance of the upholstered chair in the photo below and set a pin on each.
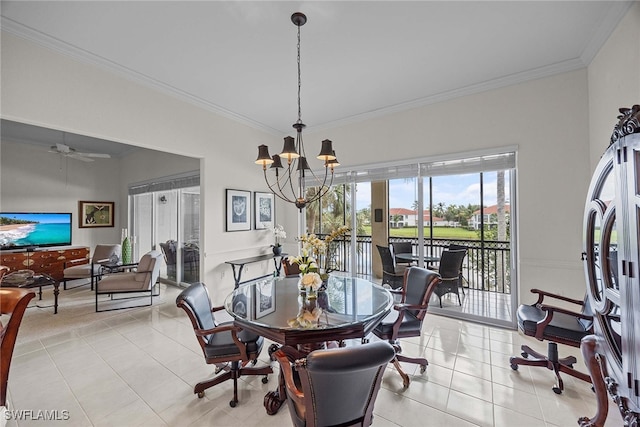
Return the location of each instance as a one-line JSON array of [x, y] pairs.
[[223, 344], [91, 269], [134, 280], [13, 302], [334, 387], [556, 325], [405, 320]]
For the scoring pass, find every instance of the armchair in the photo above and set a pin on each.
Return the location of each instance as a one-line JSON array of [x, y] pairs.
[[391, 275], [402, 248], [405, 320], [221, 343], [91, 269], [334, 387], [140, 278], [450, 270], [556, 325], [13, 301]]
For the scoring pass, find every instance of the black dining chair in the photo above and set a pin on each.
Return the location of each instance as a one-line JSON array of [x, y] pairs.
[[334, 387], [450, 269], [405, 320], [391, 274], [402, 248], [223, 344]]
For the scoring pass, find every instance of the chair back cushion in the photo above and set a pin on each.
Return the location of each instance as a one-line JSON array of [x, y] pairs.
[[418, 288], [195, 300], [106, 253], [402, 247], [388, 263], [451, 264], [149, 268], [342, 384]]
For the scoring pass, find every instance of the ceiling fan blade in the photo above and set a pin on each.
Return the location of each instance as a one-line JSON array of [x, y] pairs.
[[98, 155], [78, 157]]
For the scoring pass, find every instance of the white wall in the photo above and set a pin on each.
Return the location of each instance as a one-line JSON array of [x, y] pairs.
[[34, 180], [547, 120], [614, 81]]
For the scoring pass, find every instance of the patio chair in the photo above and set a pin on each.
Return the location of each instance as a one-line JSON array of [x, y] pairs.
[[391, 275], [450, 269], [402, 248]]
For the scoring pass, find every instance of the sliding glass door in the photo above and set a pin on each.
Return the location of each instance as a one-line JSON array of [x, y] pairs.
[[167, 219]]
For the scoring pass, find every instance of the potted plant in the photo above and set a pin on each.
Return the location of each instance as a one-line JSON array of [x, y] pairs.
[[278, 233]]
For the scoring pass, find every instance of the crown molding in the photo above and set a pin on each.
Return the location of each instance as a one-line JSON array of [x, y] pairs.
[[604, 30], [85, 56]]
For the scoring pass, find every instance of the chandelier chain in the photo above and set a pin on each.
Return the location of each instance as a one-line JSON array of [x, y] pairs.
[[299, 80]]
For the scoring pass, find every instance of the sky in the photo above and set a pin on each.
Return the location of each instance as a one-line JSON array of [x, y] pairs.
[[452, 189]]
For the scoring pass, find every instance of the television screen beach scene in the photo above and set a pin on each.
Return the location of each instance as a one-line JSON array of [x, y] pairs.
[[18, 230]]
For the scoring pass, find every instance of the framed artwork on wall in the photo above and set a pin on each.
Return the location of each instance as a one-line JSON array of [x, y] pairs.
[[238, 210], [95, 214], [264, 210]]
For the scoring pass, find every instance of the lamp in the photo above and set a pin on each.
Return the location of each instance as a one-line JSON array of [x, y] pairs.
[[294, 154]]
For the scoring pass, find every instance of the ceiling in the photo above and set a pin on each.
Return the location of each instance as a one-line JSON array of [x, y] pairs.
[[359, 59]]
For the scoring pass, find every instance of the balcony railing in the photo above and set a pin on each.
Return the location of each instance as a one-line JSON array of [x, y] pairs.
[[486, 266]]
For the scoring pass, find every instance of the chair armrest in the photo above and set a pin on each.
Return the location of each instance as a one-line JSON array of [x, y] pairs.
[[214, 309], [542, 294], [287, 374], [405, 306], [550, 310]]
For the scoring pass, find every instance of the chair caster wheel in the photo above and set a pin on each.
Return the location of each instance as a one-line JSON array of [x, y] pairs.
[[524, 354], [265, 380], [253, 362], [557, 390], [200, 395], [233, 403], [514, 366], [423, 368]]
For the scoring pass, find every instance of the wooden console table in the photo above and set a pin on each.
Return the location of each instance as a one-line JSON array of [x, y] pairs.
[[240, 263], [43, 261]]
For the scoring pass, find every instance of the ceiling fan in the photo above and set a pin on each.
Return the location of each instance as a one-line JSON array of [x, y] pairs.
[[66, 151]]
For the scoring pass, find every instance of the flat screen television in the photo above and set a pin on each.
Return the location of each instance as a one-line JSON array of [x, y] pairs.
[[30, 230]]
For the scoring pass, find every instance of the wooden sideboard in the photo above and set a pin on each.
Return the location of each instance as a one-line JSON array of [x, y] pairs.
[[50, 260]]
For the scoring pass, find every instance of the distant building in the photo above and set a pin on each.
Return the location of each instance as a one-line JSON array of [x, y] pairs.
[[402, 217], [490, 216]]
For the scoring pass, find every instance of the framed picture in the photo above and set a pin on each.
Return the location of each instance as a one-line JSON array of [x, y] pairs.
[[95, 214], [238, 210], [265, 298], [264, 211]]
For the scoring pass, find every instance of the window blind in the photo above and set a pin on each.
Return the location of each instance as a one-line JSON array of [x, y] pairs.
[[190, 179]]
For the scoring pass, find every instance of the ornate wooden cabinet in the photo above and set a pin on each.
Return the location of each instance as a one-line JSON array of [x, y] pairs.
[[611, 256], [49, 261]]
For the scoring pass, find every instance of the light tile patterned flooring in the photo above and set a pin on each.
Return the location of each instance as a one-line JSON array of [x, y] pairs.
[[138, 369]]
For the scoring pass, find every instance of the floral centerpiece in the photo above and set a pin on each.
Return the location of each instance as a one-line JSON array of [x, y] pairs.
[[278, 233], [315, 259]]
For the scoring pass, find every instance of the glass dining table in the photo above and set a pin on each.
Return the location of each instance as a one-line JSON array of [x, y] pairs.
[[277, 309]]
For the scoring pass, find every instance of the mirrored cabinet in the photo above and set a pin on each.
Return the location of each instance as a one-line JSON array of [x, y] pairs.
[[611, 248]]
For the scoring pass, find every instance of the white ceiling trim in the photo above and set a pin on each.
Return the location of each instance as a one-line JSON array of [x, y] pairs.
[[82, 55], [602, 33]]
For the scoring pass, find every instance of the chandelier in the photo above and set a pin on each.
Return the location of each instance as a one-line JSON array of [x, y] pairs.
[[290, 184]]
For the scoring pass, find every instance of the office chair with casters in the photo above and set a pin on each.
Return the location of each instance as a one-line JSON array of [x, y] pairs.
[[402, 248], [405, 320], [223, 344], [391, 275], [556, 325], [13, 301], [450, 270], [83, 268], [334, 387]]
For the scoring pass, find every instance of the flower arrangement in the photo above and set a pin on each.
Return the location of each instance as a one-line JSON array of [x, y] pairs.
[[313, 249], [278, 233]]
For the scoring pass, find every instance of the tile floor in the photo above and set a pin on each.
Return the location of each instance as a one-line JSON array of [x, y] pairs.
[[138, 369]]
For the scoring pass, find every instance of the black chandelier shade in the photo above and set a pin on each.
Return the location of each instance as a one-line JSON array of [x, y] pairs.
[[290, 184]]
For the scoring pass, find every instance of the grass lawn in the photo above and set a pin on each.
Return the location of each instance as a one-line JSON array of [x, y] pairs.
[[438, 233]]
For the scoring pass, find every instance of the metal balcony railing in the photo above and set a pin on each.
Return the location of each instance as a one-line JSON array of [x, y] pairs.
[[486, 266]]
